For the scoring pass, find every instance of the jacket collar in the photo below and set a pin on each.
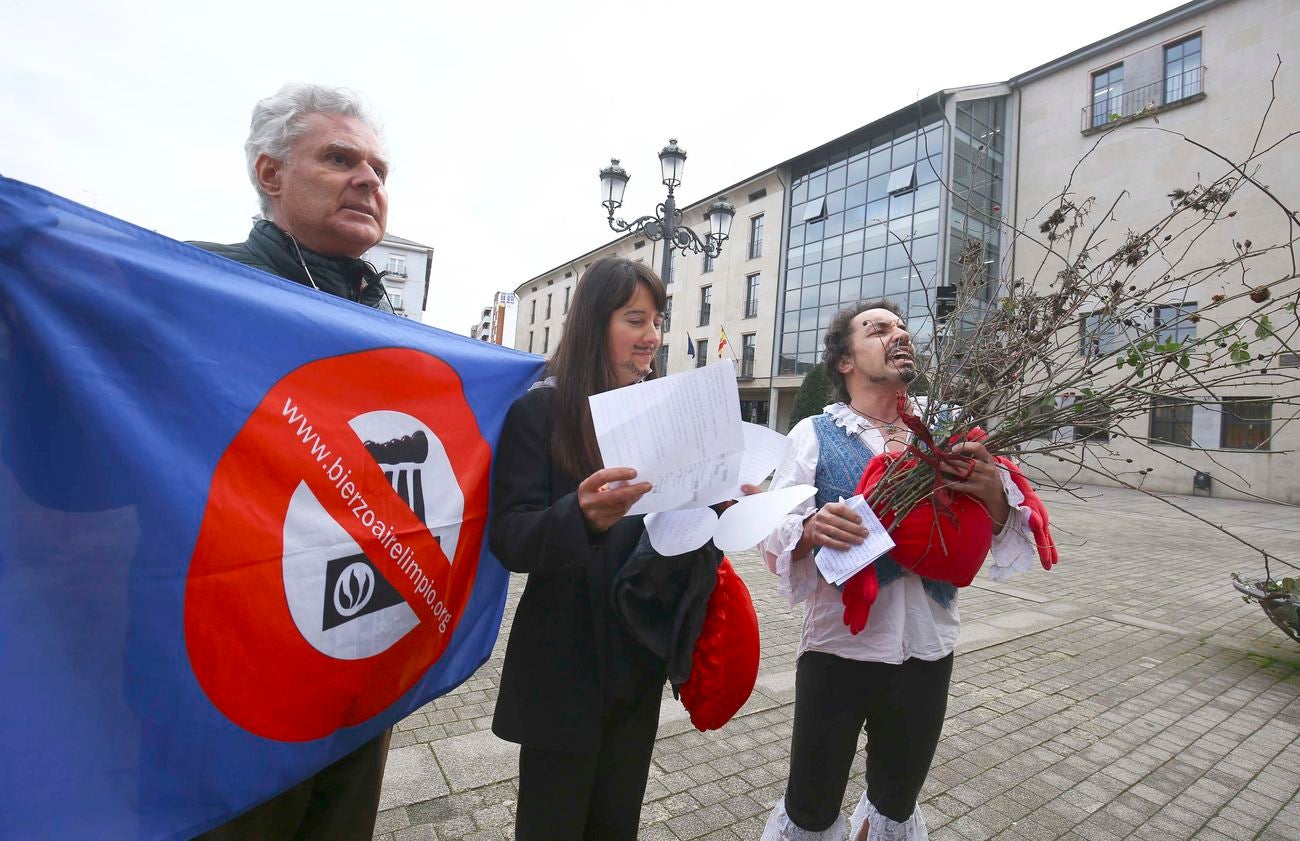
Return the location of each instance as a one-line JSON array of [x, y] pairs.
[[343, 276]]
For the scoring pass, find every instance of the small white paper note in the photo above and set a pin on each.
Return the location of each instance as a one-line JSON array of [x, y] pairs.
[[754, 517], [839, 566], [678, 532], [680, 433]]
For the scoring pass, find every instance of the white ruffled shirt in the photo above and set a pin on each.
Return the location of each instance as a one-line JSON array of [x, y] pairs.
[[905, 622]]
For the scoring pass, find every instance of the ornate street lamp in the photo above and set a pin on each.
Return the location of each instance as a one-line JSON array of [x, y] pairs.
[[666, 223]]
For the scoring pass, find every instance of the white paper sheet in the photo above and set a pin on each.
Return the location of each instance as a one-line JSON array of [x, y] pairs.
[[681, 433], [838, 566], [678, 532], [753, 518], [764, 450]]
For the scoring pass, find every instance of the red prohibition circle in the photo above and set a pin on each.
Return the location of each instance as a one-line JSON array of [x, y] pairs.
[[246, 652]]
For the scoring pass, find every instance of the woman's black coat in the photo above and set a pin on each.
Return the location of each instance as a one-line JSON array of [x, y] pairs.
[[558, 672]]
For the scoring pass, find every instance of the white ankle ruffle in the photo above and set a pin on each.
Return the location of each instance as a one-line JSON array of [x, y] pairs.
[[882, 828], [781, 828]]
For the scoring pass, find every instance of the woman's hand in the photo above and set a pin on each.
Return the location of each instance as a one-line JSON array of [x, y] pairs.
[[835, 525], [603, 506], [745, 490], [983, 482]]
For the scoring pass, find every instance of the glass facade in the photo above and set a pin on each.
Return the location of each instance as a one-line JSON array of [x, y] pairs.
[[864, 222], [861, 240], [975, 235]]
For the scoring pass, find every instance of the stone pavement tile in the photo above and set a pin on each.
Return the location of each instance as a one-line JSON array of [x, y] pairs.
[[495, 815], [724, 834], [416, 833], [700, 822], [391, 820], [490, 835], [411, 775], [476, 759]]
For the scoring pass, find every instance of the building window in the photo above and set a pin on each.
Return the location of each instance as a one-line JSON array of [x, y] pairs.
[[1183, 69], [532, 313], [751, 296], [814, 210], [1171, 421], [701, 352], [706, 305], [708, 264], [546, 339], [902, 180], [1093, 419], [1098, 335], [661, 360], [1087, 432], [754, 411], [567, 290], [1247, 423], [530, 341], [1107, 94], [548, 304], [1173, 324], [396, 265], [747, 352], [395, 298], [756, 237], [672, 265], [668, 313]]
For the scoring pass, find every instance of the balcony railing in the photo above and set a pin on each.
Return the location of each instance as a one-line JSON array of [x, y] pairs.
[[747, 368], [751, 308], [1121, 105]]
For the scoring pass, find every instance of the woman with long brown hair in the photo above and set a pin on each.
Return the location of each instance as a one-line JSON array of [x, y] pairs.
[[578, 692]]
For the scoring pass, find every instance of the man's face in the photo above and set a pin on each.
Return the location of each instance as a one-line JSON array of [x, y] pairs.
[[880, 350], [330, 193]]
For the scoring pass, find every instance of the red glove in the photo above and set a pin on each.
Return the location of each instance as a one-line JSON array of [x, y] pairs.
[[858, 595], [1047, 553]]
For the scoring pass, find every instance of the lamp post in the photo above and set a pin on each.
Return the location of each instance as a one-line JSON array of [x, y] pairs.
[[666, 223]]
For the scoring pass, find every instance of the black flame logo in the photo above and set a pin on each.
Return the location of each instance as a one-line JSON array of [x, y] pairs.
[[356, 591], [353, 588]]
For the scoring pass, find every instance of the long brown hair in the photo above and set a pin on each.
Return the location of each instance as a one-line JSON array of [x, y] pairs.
[[581, 366]]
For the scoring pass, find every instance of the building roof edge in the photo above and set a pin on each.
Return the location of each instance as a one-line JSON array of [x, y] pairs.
[[1164, 19]]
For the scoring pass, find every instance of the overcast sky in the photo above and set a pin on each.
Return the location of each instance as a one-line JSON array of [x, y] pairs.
[[497, 116]]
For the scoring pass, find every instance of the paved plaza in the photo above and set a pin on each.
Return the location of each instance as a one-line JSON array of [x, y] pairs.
[[1128, 693]]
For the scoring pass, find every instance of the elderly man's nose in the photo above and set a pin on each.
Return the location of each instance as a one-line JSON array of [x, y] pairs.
[[367, 176]]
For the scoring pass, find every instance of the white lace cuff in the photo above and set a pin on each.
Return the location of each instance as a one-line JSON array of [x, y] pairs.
[[798, 577], [881, 828], [1013, 547], [781, 828]]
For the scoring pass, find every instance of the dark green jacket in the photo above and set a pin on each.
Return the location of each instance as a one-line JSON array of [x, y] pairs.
[[271, 250]]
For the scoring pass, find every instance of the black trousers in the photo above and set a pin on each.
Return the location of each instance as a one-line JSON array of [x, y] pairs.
[[337, 803], [592, 796], [902, 708]]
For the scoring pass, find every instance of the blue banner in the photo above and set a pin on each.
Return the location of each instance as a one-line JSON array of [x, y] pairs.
[[241, 525]]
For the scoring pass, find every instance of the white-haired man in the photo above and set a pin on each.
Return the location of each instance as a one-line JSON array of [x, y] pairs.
[[319, 168], [318, 165]]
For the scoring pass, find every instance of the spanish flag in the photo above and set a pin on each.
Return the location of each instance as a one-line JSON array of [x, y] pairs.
[[722, 341]]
